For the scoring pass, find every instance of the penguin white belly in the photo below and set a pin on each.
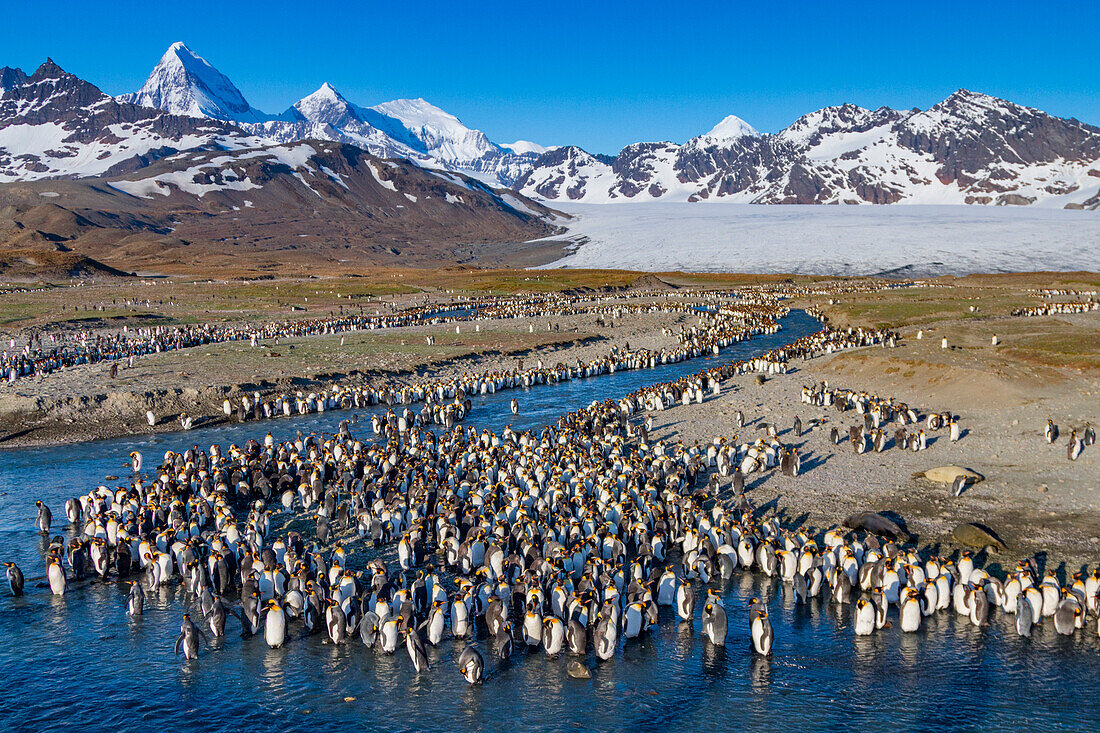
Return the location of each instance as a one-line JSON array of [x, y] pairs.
[[56, 577], [435, 628], [910, 615], [762, 636], [274, 629], [865, 620]]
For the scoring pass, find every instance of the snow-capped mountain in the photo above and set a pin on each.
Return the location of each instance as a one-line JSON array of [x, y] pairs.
[[731, 128], [969, 149], [184, 83], [327, 115], [56, 125]]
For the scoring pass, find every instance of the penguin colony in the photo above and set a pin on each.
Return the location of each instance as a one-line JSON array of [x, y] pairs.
[[92, 347], [871, 434], [564, 540], [714, 331]]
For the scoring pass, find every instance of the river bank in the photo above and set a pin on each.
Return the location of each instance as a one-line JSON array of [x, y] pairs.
[[84, 403]]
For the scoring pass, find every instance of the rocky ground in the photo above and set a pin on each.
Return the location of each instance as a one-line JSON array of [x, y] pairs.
[[1035, 499]]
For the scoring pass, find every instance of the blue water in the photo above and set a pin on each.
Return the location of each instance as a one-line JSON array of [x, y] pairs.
[[79, 662]]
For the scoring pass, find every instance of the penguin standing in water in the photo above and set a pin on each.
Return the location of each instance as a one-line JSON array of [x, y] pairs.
[[414, 645], [435, 623], [715, 624], [368, 629], [685, 602], [55, 574], [515, 406], [910, 611], [387, 636], [135, 604], [274, 624], [634, 621], [553, 635], [504, 641], [575, 637], [606, 637], [1025, 615], [135, 461], [216, 616], [471, 665], [45, 518], [532, 625], [15, 579], [188, 640], [761, 630], [865, 617]]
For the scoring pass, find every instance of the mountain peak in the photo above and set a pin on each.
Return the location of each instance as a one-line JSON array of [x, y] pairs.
[[48, 70], [419, 113], [185, 83], [327, 106], [732, 127], [425, 127], [523, 147], [11, 77]]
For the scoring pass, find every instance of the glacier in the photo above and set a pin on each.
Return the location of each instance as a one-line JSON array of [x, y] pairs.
[[908, 240]]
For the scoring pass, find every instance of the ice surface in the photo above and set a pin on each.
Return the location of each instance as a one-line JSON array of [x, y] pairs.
[[830, 240]]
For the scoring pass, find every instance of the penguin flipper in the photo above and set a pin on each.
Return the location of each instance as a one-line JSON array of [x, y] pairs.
[[179, 643]]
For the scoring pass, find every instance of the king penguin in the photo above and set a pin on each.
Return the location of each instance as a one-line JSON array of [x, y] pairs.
[[471, 665], [15, 579]]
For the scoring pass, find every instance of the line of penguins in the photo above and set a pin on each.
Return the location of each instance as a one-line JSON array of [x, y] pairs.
[[1048, 309], [126, 344], [446, 400], [1077, 441], [572, 527]]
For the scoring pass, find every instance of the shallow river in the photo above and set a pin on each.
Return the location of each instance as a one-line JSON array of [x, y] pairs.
[[79, 663]]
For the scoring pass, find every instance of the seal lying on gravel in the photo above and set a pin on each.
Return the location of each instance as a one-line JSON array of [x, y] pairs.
[[948, 474], [876, 524], [976, 535]]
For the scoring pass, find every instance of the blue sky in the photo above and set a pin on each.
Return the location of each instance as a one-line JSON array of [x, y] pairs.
[[597, 74]]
